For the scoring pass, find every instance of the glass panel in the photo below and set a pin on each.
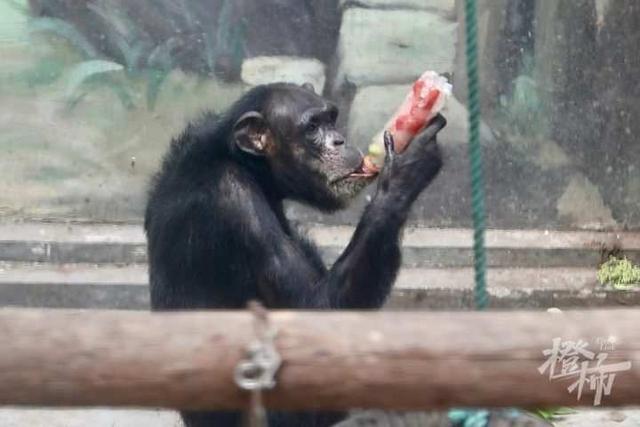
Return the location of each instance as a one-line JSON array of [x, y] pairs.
[[91, 95]]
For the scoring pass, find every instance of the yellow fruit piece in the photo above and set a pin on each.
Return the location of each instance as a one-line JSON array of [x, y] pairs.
[[376, 153], [376, 150]]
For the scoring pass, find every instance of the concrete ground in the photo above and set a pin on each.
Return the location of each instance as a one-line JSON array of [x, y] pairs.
[[104, 266], [18, 417], [104, 417]]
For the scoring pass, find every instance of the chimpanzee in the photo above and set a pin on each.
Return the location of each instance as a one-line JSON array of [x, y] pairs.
[[217, 233]]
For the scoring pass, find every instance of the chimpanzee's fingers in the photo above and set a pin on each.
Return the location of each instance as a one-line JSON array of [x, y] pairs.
[[389, 147], [431, 130]]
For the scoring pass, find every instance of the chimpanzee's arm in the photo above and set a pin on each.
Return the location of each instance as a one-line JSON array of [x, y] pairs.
[[362, 277], [364, 273]]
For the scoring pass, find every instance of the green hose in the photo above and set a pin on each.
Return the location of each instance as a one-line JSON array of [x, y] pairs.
[[475, 156]]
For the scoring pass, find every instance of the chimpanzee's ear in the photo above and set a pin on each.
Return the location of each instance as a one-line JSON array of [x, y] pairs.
[[309, 86], [251, 134]]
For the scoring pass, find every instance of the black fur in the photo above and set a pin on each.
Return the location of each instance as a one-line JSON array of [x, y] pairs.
[[218, 236]]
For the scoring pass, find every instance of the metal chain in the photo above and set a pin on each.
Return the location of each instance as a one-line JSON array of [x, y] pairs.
[[257, 371]]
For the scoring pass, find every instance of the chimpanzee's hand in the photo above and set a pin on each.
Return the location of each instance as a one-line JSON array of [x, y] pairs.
[[405, 175]]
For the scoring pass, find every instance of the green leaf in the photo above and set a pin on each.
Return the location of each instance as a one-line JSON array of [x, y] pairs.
[[66, 31], [45, 71], [19, 6], [564, 411], [116, 86], [544, 414], [110, 17], [84, 71], [184, 10], [620, 273], [155, 80], [121, 92], [161, 56], [210, 50], [131, 52], [552, 414], [130, 40]]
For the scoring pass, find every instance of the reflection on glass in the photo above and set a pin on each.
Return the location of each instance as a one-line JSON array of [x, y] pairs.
[[90, 96]]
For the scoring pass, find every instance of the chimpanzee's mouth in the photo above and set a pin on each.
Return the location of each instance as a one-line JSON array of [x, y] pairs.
[[357, 174], [360, 172]]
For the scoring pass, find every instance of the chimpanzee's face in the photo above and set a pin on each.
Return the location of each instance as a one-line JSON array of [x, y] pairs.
[[309, 158]]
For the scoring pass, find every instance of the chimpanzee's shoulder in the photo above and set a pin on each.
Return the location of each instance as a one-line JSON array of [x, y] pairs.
[[237, 193]]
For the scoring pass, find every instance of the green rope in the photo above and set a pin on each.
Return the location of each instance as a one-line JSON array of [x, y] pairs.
[[474, 417], [475, 156]]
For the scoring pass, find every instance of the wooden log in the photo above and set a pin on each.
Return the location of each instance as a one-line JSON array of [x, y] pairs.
[[331, 360]]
